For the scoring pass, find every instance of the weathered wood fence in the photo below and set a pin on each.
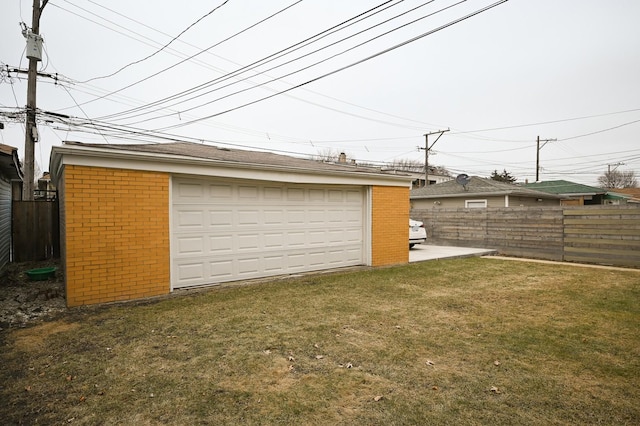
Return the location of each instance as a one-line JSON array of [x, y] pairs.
[[35, 230], [591, 234]]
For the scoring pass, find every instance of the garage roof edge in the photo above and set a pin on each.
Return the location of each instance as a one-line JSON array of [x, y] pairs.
[[305, 166]]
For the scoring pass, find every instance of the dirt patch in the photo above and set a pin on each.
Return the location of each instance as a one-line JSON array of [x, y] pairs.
[[23, 301], [33, 339]]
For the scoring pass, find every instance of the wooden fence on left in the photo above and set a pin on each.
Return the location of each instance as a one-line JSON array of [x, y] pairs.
[[35, 230]]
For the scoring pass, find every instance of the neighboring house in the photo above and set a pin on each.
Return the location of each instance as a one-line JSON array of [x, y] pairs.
[[143, 220], [576, 194], [10, 177], [632, 193], [419, 182], [479, 193], [45, 188]]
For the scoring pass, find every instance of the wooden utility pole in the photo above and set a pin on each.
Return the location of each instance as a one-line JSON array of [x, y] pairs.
[[427, 148], [31, 130], [538, 155]]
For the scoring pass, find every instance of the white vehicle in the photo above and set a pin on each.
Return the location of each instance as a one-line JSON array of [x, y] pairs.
[[417, 233]]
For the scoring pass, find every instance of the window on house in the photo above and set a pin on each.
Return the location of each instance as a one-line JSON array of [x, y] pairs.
[[475, 204]]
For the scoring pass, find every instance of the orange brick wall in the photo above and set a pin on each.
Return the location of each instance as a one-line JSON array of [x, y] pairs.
[[390, 225], [116, 234]]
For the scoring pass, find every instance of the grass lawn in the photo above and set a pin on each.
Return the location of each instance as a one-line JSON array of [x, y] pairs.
[[466, 341]]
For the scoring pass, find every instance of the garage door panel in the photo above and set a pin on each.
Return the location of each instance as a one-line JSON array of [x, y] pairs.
[[190, 190], [191, 245], [220, 270], [315, 238], [295, 194], [316, 195], [336, 196], [191, 271], [296, 261], [296, 239], [246, 191], [353, 196], [316, 217], [274, 217], [335, 216], [248, 266], [220, 244], [273, 193], [220, 218], [296, 217], [190, 219], [230, 230], [274, 240], [274, 263], [353, 216], [352, 235], [248, 242]]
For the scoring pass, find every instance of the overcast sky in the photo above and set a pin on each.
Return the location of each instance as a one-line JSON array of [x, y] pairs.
[[286, 76]]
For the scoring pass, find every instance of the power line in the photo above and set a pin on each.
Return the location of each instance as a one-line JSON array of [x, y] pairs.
[[191, 56], [406, 42], [235, 72], [162, 48], [421, 123], [255, 86]]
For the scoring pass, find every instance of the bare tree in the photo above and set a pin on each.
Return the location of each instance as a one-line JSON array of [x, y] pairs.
[[328, 154], [407, 165], [417, 166], [618, 179]]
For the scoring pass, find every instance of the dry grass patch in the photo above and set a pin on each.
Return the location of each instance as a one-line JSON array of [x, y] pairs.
[[469, 341]]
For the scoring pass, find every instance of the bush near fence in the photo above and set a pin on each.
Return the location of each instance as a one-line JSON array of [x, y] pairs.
[[591, 234]]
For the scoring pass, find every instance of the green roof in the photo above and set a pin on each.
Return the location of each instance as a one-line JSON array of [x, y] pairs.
[[564, 187], [476, 186]]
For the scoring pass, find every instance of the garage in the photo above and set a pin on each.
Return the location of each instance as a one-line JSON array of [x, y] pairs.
[[227, 230], [144, 220]]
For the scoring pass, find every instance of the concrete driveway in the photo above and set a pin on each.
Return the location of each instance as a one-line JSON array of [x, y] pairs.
[[422, 252]]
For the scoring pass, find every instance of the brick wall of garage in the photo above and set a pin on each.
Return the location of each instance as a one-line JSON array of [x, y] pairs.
[[116, 234], [390, 225]]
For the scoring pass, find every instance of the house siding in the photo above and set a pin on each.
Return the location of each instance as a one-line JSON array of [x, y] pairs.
[[492, 201], [389, 225], [5, 223], [115, 234]]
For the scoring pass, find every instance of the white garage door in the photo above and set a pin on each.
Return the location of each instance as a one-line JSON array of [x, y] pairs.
[[225, 230]]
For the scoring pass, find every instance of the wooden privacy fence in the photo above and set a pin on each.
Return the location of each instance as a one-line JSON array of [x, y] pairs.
[[35, 230], [591, 234], [607, 235]]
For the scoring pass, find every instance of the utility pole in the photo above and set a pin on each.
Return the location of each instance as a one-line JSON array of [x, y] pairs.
[[614, 168], [427, 148], [538, 155], [34, 46]]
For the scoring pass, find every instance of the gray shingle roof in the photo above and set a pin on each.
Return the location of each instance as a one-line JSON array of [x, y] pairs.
[[194, 150], [476, 186]]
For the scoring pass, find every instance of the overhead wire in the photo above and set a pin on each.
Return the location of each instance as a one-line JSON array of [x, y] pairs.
[[241, 69], [161, 48], [282, 77], [297, 98], [191, 56], [140, 23], [343, 68]]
